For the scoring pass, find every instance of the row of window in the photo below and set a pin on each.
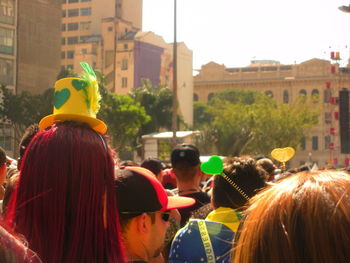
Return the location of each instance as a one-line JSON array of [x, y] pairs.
[[75, 12], [75, 26], [315, 95], [315, 143], [7, 12], [7, 41], [74, 1], [6, 71]]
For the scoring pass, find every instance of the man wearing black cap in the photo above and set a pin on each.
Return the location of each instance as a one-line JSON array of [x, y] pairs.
[[185, 162], [144, 211]]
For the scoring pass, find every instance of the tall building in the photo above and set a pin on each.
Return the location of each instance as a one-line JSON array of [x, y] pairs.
[[83, 25], [329, 142], [29, 50]]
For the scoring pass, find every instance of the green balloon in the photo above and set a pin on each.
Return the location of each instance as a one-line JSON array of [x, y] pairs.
[[213, 166]]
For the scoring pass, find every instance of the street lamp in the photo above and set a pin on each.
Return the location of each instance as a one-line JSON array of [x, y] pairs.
[[174, 115]]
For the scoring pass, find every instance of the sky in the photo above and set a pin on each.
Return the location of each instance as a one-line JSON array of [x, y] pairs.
[[233, 32]]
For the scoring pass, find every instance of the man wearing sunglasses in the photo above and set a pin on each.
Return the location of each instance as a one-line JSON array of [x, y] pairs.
[[144, 212]]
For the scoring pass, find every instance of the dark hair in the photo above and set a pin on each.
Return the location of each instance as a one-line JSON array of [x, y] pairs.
[[152, 164], [244, 172], [304, 218], [2, 156], [27, 137]]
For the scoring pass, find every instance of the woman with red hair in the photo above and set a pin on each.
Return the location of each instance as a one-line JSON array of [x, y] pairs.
[[64, 203]]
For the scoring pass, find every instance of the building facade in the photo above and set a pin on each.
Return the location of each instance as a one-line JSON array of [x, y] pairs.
[[29, 50], [314, 78]]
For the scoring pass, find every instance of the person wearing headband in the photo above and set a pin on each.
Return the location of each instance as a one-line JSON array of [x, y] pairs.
[[210, 240]]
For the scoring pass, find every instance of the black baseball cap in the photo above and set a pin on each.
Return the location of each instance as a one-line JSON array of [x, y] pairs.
[[185, 153]]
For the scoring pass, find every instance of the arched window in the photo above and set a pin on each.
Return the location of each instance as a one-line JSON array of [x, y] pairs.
[[303, 143], [210, 96], [269, 93], [303, 92], [195, 97], [315, 96], [285, 97]]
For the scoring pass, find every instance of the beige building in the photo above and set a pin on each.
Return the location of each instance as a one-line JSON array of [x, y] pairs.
[[90, 29], [145, 55], [285, 83], [29, 50]]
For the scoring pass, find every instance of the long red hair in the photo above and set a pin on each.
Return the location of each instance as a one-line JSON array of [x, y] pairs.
[[64, 203]]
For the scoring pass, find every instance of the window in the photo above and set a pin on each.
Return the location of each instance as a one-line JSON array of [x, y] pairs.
[[303, 144], [110, 29], [85, 25], [83, 51], [124, 82], [64, 13], [302, 92], [302, 95], [7, 13], [6, 41], [73, 12], [63, 27], [85, 0], [269, 93], [314, 143], [73, 1], [124, 64], [6, 71], [126, 46], [70, 54], [72, 40], [285, 97], [327, 141], [327, 95], [85, 11], [70, 67], [327, 118], [195, 97], [73, 26], [63, 55], [315, 96], [63, 41], [210, 96]]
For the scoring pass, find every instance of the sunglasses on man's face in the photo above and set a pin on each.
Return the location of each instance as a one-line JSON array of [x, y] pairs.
[[165, 216]]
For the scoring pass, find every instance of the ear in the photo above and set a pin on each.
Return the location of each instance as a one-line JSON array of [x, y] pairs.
[[143, 223]]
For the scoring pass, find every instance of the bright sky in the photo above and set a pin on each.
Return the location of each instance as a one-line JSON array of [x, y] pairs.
[[233, 32]]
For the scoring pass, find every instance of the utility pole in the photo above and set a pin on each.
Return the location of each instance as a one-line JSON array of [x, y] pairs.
[[174, 116]]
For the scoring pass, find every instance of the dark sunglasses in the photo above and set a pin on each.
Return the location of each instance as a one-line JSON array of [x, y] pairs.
[[165, 215]]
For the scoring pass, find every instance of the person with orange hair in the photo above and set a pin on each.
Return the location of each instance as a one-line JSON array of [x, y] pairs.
[[64, 202], [304, 218]]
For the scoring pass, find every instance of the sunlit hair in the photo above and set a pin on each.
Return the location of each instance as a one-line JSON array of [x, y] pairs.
[[59, 204], [304, 218], [13, 250]]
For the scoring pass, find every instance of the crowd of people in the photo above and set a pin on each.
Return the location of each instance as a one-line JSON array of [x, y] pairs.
[[69, 198]]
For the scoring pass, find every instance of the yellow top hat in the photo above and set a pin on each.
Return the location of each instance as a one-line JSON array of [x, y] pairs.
[[76, 99]]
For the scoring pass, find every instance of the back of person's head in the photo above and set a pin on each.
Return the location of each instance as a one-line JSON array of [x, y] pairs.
[[304, 218], [3, 158], [247, 177], [28, 135], [153, 164], [13, 250], [185, 161], [64, 202], [267, 165]]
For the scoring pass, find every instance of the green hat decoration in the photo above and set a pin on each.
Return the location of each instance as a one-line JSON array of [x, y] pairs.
[[215, 166]]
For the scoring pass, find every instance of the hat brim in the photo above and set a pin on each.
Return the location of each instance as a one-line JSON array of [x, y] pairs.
[[176, 202], [96, 124]]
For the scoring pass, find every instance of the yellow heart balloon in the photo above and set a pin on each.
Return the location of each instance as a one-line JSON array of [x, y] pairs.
[[283, 154]]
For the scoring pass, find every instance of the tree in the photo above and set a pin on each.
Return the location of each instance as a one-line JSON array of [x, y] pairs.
[[23, 109], [123, 116], [249, 122], [157, 101]]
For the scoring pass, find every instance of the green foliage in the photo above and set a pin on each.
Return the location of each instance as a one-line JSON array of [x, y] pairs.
[[123, 116], [24, 109], [157, 101], [249, 122]]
